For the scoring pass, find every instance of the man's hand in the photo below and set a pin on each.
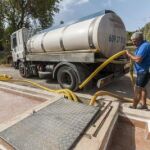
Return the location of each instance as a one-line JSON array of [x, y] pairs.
[[128, 53], [136, 59]]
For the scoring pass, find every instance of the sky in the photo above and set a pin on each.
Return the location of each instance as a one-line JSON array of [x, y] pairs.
[[134, 13]]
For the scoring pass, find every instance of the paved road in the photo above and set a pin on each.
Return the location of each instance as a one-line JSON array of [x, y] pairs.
[[121, 86]]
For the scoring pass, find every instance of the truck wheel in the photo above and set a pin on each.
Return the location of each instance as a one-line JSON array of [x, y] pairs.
[[24, 70], [67, 78]]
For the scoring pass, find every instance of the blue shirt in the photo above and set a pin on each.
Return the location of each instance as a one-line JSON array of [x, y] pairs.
[[143, 50]]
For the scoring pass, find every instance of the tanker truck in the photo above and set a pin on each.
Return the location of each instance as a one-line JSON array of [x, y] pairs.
[[70, 53]]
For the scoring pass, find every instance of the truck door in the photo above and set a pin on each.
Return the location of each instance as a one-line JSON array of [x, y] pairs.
[[18, 46]]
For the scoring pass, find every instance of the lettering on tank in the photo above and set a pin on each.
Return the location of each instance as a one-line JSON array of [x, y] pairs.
[[116, 39]]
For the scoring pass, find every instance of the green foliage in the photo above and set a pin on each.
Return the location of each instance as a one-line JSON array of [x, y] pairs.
[[20, 13], [129, 35], [3, 57], [1, 35], [15, 14], [146, 31]]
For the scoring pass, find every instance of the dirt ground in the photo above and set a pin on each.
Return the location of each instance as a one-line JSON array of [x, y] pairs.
[[121, 86]]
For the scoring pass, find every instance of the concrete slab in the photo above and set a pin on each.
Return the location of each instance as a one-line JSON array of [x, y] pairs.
[[18, 102]]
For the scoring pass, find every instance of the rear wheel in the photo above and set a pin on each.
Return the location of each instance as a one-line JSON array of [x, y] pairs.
[[67, 78], [24, 70]]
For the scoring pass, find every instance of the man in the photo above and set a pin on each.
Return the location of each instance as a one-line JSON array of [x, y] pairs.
[[141, 59]]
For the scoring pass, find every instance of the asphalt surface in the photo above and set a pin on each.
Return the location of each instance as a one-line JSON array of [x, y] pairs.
[[121, 86]]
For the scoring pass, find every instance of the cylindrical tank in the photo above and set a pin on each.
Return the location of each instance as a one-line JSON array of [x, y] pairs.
[[105, 33]]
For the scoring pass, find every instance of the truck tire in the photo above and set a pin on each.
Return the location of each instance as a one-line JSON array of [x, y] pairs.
[[24, 70], [67, 78]]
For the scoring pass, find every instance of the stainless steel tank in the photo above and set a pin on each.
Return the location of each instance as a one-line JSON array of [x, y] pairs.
[[105, 33]]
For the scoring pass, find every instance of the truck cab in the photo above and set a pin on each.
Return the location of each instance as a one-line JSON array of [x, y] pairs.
[[18, 48]]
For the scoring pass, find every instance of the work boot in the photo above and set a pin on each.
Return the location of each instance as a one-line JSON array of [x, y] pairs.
[[140, 106], [132, 106]]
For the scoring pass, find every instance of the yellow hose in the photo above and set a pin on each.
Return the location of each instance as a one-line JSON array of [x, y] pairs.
[[68, 93], [4, 77], [125, 99], [102, 93], [73, 95], [104, 64], [131, 73]]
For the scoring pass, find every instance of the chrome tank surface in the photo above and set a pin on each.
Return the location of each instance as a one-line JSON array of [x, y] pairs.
[[106, 33]]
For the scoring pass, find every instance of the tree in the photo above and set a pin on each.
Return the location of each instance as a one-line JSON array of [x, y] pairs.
[[146, 31], [1, 35], [129, 35], [15, 14], [21, 13]]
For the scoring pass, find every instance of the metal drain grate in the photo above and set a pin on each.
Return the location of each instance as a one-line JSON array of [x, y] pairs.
[[55, 127]]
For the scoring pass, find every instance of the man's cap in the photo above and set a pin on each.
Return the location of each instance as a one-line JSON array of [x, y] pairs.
[[137, 35]]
